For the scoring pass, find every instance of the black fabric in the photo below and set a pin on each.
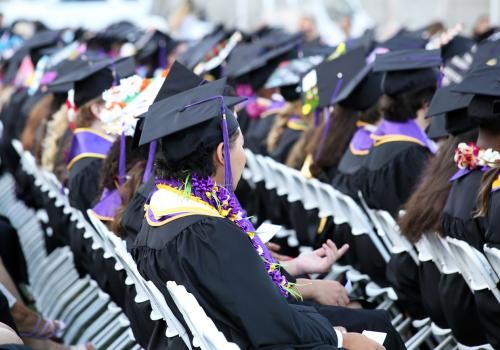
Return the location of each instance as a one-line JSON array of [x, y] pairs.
[[429, 277], [11, 252], [5, 315], [456, 298], [189, 250], [83, 183], [392, 172], [257, 132], [350, 174], [285, 144]]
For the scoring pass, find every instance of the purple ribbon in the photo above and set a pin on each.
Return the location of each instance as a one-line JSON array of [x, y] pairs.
[[122, 161], [108, 204], [409, 128], [88, 144], [149, 164], [162, 55], [463, 172]]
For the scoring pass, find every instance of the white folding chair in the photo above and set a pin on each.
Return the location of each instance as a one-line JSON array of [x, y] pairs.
[[474, 267], [206, 336], [493, 256]]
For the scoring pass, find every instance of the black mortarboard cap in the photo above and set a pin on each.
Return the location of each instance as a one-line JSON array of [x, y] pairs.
[[152, 43], [363, 91], [93, 78], [408, 70], [482, 80], [179, 79], [291, 72], [437, 128], [329, 73], [197, 52], [452, 107], [404, 40], [457, 46]]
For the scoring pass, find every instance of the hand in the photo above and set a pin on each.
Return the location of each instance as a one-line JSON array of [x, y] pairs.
[[319, 260], [274, 249], [327, 292], [356, 341]]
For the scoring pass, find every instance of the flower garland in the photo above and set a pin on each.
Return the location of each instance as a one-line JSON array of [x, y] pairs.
[[228, 206], [470, 156]]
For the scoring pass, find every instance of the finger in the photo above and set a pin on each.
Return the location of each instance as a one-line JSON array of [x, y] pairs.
[[342, 251], [320, 251], [273, 246]]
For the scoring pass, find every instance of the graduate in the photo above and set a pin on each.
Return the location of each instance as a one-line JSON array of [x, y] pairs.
[[196, 227], [460, 219], [424, 210]]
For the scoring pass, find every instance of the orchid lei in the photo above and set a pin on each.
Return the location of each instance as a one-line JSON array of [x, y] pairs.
[[229, 207], [470, 156]]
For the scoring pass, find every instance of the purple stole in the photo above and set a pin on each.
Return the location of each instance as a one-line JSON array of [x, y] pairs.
[[88, 143]]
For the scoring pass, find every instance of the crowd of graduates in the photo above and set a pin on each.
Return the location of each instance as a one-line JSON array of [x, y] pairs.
[[148, 134]]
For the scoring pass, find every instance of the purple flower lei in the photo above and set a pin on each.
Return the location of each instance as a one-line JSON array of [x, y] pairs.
[[229, 207]]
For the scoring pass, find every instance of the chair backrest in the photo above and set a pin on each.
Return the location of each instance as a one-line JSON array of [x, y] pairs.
[[253, 167], [146, 290], [474, 267], [432, 246], [205, 333], [493, 256]]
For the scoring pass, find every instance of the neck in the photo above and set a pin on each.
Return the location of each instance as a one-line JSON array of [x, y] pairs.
[[422, 122], [488, 139]]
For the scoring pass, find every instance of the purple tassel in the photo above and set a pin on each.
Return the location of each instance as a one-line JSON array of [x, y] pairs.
[[162, 55], [328, 119], [440, 79], [317, 115], [149, 165], [228, 176], [122, 163], [326, 129]]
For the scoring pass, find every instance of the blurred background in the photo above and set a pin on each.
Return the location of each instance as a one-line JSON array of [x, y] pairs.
[[332, 20]]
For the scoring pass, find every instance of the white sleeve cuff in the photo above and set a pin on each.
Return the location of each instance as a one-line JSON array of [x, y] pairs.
[[340, 339]]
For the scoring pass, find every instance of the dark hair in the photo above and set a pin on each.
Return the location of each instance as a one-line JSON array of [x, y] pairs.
[[424, 209], [343, 127], [404, 106], [200, 161], [109, 170], [127, 192], [279, 126]]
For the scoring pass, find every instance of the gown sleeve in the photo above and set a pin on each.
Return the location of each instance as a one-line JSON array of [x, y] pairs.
[[83, 184], [232, 276]]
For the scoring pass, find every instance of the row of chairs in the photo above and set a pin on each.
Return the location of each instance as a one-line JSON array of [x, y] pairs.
[[480, 270], [204, 332]]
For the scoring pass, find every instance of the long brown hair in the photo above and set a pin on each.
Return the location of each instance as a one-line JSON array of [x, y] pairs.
[[56, 128], [127, 192], [343, 127], [40, 113], [424, 209], [483, 197]]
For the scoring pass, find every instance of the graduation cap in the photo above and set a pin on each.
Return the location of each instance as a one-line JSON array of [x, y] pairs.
[[197, 53], [457, 46], [155, 44], [92, 78], [197, 117], [363, 91], [404, 40], [437, 128], [30, 47], [452, 108], [335, 75], [179, 79], [291, 72], [408, 70]]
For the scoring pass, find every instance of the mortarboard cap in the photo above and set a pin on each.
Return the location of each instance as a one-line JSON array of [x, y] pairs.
[[437, 128], [408, 70], [404, 40], [197, 52], [329, 74], [363, 91], [482, 80], [457, 46], [190, 119], [452, 108], [291, 72]]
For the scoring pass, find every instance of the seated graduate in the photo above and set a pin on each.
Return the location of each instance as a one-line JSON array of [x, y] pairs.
[[89, 144], [424, 210], [401, 148], [460, 220], [190, 217]]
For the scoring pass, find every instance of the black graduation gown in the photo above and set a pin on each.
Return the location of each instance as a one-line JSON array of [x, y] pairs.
[[83, 183], [215, 261], [5, 315], [11, 252], [285, 144], [429, 277], [256, 136], [457, 299]]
